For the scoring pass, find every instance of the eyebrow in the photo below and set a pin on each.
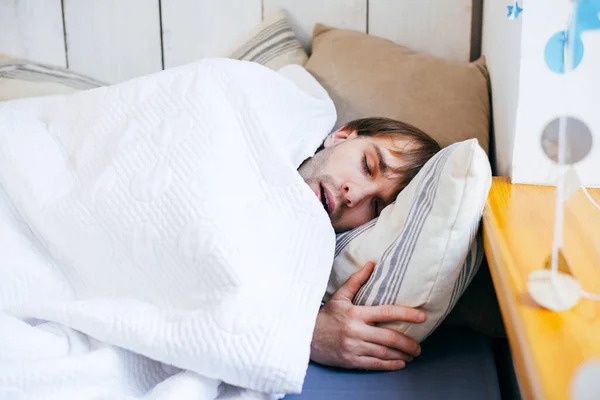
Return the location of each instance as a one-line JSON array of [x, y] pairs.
[[383, 167]]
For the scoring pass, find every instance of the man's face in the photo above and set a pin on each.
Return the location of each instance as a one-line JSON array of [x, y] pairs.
[[353, 178]]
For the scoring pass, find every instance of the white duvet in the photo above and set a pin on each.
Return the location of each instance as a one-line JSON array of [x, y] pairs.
[[156, 239]]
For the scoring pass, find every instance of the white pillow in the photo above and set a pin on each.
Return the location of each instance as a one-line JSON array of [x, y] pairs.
[[304, 80], [23, 78], [426, 243], [271, 43]]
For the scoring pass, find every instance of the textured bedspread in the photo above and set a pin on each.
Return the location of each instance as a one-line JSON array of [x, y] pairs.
[[156, 239]]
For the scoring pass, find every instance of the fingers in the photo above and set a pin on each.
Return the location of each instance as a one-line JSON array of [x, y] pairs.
[[391, 339], [349, 289], [392, 313], [345, 335], [383, 352], [376, 364]]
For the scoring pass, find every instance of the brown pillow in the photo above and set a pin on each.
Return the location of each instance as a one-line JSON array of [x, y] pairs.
[[368, 76]]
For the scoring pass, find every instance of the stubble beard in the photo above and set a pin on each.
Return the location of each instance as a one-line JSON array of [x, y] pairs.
[[311, 172]]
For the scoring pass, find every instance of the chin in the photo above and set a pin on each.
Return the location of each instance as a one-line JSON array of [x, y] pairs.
[[337, 229]]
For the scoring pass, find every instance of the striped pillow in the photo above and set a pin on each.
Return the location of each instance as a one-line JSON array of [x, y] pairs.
[[22, 78], [272, 43], [426, 244]]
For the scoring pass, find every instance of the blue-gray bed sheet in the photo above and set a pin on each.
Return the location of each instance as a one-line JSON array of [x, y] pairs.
[[454, 364]]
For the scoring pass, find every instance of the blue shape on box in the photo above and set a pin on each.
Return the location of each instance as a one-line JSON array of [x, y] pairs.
[[588, 15], [555, 52], [514, 11], [586, 18]]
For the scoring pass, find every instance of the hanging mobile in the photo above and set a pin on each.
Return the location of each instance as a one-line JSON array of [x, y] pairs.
[[566, 141]]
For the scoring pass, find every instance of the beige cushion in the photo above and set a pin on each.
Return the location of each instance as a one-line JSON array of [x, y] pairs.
[[272, 43], [23, 78], [370, 76]]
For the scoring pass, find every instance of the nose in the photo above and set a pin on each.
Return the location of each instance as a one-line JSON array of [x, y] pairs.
[[354, 194]]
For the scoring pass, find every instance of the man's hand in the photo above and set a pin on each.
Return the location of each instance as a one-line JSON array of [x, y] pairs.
[[346, 336]]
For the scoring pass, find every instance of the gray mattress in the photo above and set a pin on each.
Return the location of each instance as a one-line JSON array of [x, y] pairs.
[[454, 364]]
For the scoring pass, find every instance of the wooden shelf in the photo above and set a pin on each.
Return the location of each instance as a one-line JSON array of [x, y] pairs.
[[547, 346]]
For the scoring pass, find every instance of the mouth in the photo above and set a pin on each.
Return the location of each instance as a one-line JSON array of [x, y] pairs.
[[326, 199]]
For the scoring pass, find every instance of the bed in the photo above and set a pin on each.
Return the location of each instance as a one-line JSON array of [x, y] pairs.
[[455, 364], [457, 361]]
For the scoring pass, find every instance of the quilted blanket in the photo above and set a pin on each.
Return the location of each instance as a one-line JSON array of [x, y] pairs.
[[156, 239]]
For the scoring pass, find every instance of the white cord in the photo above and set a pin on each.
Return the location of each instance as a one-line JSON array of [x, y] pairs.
[[589, 196], [557, 242], [587, 295], [591, 296], [559, 220]]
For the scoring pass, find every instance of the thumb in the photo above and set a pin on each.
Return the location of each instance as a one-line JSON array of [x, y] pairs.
[[349, 289]]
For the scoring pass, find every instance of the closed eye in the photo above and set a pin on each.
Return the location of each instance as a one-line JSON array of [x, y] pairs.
[[366, 166]]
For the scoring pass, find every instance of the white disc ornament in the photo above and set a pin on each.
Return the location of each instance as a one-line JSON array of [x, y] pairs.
[[558, 294], [585, 385]]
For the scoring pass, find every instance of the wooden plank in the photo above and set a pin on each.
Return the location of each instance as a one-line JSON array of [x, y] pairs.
[[441, 28], [349, 14], [113, 40], [476, 29], [33, 29], [194, 29]]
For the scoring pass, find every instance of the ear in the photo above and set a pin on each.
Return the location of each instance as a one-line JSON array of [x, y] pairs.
[[339, 136]]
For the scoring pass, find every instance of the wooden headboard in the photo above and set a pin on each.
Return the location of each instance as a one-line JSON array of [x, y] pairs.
[[114, 40]]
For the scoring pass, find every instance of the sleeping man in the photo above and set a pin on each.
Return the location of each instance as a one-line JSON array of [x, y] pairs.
[[359, 171], [171, 220]]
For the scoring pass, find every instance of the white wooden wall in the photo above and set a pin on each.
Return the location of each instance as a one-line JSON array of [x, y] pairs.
[[114, 40]]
